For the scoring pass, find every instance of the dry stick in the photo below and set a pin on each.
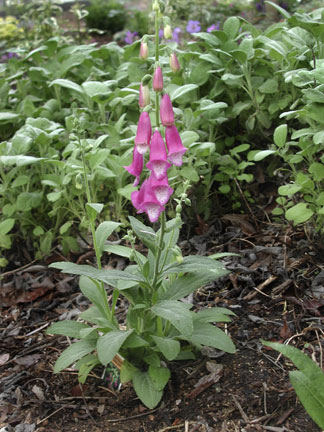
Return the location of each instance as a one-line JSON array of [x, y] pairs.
[[131, 417], [186, 425], [86, 406], [55, 412], [259, 288], [246, 203], [237, 403]]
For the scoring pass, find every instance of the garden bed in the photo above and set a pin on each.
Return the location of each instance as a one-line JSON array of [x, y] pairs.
[[269, 289]]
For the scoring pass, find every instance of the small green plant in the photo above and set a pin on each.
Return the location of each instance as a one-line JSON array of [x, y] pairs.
[[9, 30], [159, 327], [107, 15], [308, 381]]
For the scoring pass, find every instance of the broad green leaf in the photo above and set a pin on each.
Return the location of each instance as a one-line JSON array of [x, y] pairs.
[[263, 154], [68, 84], [85, 366], [143, 232], [6, 225], [231, 27], [97, 90], [180, 91], [127, 371], [146, 390], [96, 293], [214, 314], [185, 285], [124, 251], [159, 376], [109, 344], [75, 352], [67, 328], [289, 189], [279, 9], [103, 231], [308, 382], [8, 116], [270, 86], [197, 264], [209, 335], [317, 169], [170, 348], [107, 276], [189, 137], [280, 135], [29, 200], [19, 160], [175, 312], [135, 341], [299, 213]]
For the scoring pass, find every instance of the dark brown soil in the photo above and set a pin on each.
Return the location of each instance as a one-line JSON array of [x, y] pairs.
[[269, 290]]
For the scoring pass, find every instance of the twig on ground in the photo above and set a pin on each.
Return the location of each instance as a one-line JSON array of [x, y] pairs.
[[237, 403]]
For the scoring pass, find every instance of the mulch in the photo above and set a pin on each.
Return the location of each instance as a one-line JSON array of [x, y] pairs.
[[276, 289]]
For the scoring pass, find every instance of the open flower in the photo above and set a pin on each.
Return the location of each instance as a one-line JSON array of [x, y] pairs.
[[176, 34], [160, 188], [158, 162], [136, 166], [213, 27], [193, 26], [130, 36], [145, 200], [175, 146], [166, 111], [144, 133]]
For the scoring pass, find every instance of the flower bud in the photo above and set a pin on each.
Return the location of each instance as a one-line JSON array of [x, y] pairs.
[[156, 6], [158, 79], [166, 111], [143, 51], [144, 96], [167, 32], [178, 209], [174, 63]]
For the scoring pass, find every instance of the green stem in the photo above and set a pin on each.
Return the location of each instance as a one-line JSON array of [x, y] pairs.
[[157, 57], [91, 220], [159, 250]]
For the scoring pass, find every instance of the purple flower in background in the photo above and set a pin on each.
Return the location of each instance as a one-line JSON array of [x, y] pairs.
[[193, 26], [259, 6], [213, 27], [176, 34], [161, 33], [284, 5], [130, 36]]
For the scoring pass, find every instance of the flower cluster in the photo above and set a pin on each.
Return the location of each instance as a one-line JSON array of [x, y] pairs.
[[155, 191]]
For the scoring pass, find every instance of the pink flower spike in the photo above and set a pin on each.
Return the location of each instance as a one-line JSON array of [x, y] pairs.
[[144, 96], [151, 205], [144, 133], [158, 79], [161, 189], [158, 163], [136, 167], [174, 144], [166, 111]]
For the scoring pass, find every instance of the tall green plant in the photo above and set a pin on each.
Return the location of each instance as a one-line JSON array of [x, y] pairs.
[[160, 327]]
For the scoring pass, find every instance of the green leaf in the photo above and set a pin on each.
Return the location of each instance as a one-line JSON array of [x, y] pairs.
[[67, 328], [197, 264], [6, 225], [143, 232], [175, 312], [263, 154], [317, 169], [308, 382], [289, 189], [85, 366], [96, 294], [8, 116], [209, 335], [103, 231], [107, 276], [280, 135], [68, 84], [269, 86], [180, 91], [109, 344], [170, 348], [189, 137], [29, 200], [159, 376], [279, 9], [76, 351], [299, 213], [231, 27], [213, 314], [127, 371], [146, 390], [19, 160]]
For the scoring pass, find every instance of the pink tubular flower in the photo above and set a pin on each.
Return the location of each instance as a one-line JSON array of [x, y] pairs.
[[161, 189], [166, 111], [136, 166], [158, 163], [144, 133], [174, 63], [145, 200], [144, 96], [143, 53], [174, 144], [158, 79]]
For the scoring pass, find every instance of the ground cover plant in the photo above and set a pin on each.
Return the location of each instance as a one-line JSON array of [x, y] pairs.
[[240, 109]]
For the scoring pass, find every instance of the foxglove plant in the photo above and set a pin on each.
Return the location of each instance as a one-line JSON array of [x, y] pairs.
[[159, 326]]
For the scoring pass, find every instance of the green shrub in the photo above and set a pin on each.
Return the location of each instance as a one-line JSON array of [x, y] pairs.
[[106, 15]]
